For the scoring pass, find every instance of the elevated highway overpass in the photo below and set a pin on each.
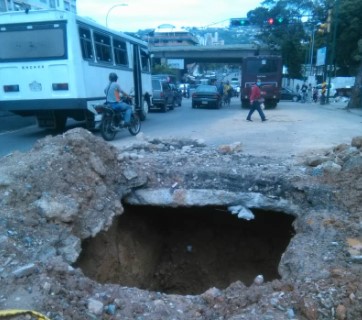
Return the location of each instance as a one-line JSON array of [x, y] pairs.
[[208, 54]]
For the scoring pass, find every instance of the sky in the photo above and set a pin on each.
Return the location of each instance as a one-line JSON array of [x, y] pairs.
[[134, 15]]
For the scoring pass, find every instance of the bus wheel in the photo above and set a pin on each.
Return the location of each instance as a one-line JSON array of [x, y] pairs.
[[89, 120], [143, 112], [60, 121]]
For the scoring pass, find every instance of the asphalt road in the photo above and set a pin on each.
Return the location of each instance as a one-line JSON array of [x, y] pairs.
[[291, 129]]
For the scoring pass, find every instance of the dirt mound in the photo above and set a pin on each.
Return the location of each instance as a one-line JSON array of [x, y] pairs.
[[71, 188]]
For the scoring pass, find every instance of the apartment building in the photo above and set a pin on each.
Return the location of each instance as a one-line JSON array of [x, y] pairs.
[[17, 5]]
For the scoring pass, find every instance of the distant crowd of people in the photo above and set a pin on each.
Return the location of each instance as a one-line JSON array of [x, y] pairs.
[[309, 93]]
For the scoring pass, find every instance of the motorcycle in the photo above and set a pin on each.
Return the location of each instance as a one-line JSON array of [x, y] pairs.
[[113, 121]]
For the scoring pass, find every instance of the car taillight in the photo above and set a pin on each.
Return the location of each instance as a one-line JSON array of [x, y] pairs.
[[60, 86], [11, 88]]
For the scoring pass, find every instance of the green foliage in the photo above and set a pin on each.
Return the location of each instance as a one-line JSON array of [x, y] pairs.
[[163, 69], [349, 32], [294, 37], [293, 55], [285, 32]]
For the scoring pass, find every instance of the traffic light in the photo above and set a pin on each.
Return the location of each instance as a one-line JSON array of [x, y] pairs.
[[323, 28], [276, 21], [239, 22], [326, 27], [280, 20]]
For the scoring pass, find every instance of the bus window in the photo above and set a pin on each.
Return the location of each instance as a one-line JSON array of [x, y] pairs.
[[261, 66], [268, 66], [103, 47], [86, 43], [25, 42], [145, 61], [120, 53]]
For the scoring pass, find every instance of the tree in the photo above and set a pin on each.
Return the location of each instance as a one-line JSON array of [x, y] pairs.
[[349, 32], [293, 39], [162, 69], [281, 27], [356, 99], [349, 44]]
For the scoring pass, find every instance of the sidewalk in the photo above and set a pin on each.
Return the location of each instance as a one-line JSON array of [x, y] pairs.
[[341, 106]]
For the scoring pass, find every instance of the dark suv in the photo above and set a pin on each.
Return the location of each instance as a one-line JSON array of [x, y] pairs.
[[163, 97], [171, 80]]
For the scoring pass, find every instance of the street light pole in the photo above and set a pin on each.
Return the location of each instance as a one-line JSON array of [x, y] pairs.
[[111, 8], [312, 51]]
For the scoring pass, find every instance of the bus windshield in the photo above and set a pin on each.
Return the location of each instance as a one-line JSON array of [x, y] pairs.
[[262, 66], [28, 42]]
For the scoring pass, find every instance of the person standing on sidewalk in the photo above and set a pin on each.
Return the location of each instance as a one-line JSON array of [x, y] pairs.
[[304, 92], [310, 92], [255, 101]]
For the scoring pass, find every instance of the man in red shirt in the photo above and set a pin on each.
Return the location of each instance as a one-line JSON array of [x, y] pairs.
[[255, 101]]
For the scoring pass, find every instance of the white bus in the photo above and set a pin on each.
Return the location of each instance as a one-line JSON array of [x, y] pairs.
[[54, 65]]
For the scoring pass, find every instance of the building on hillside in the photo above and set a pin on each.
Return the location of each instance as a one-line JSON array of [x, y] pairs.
[[18, 5], [169, 35], [210, 39]]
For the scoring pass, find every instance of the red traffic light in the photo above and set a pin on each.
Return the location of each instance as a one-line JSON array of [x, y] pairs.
[[270, 21]]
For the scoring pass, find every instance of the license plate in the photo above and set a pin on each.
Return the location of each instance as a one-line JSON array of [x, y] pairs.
[[204, 102]]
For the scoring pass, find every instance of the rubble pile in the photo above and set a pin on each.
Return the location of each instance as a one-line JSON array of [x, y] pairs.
[[70, 188]]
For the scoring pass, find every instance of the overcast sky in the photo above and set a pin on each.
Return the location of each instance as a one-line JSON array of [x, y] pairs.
[[148, 14]]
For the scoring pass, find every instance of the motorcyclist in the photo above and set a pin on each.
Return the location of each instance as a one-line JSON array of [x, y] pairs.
[[227, 90], [113, 97]]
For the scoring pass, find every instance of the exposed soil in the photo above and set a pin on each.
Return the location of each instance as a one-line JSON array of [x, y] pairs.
[[74, 211], [186, 250]]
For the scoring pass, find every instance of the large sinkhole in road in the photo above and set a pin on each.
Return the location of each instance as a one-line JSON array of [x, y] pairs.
[[186, 250]]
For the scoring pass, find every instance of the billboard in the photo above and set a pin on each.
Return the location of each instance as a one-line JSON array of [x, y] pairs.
[[321, 56], [176, 63]]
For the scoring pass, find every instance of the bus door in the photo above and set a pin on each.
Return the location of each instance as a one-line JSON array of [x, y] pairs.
[[137, 78]]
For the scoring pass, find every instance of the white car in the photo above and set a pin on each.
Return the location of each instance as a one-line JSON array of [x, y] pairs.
[[235, 84]]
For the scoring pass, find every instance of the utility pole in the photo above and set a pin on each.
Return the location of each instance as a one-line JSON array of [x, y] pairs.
[[333, 53]]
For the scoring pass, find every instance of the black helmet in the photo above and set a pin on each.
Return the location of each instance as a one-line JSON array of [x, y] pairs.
[[113, 77]]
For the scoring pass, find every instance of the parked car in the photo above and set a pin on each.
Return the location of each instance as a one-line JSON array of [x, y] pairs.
[[163, 96], [206, 95], [290, 95]]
